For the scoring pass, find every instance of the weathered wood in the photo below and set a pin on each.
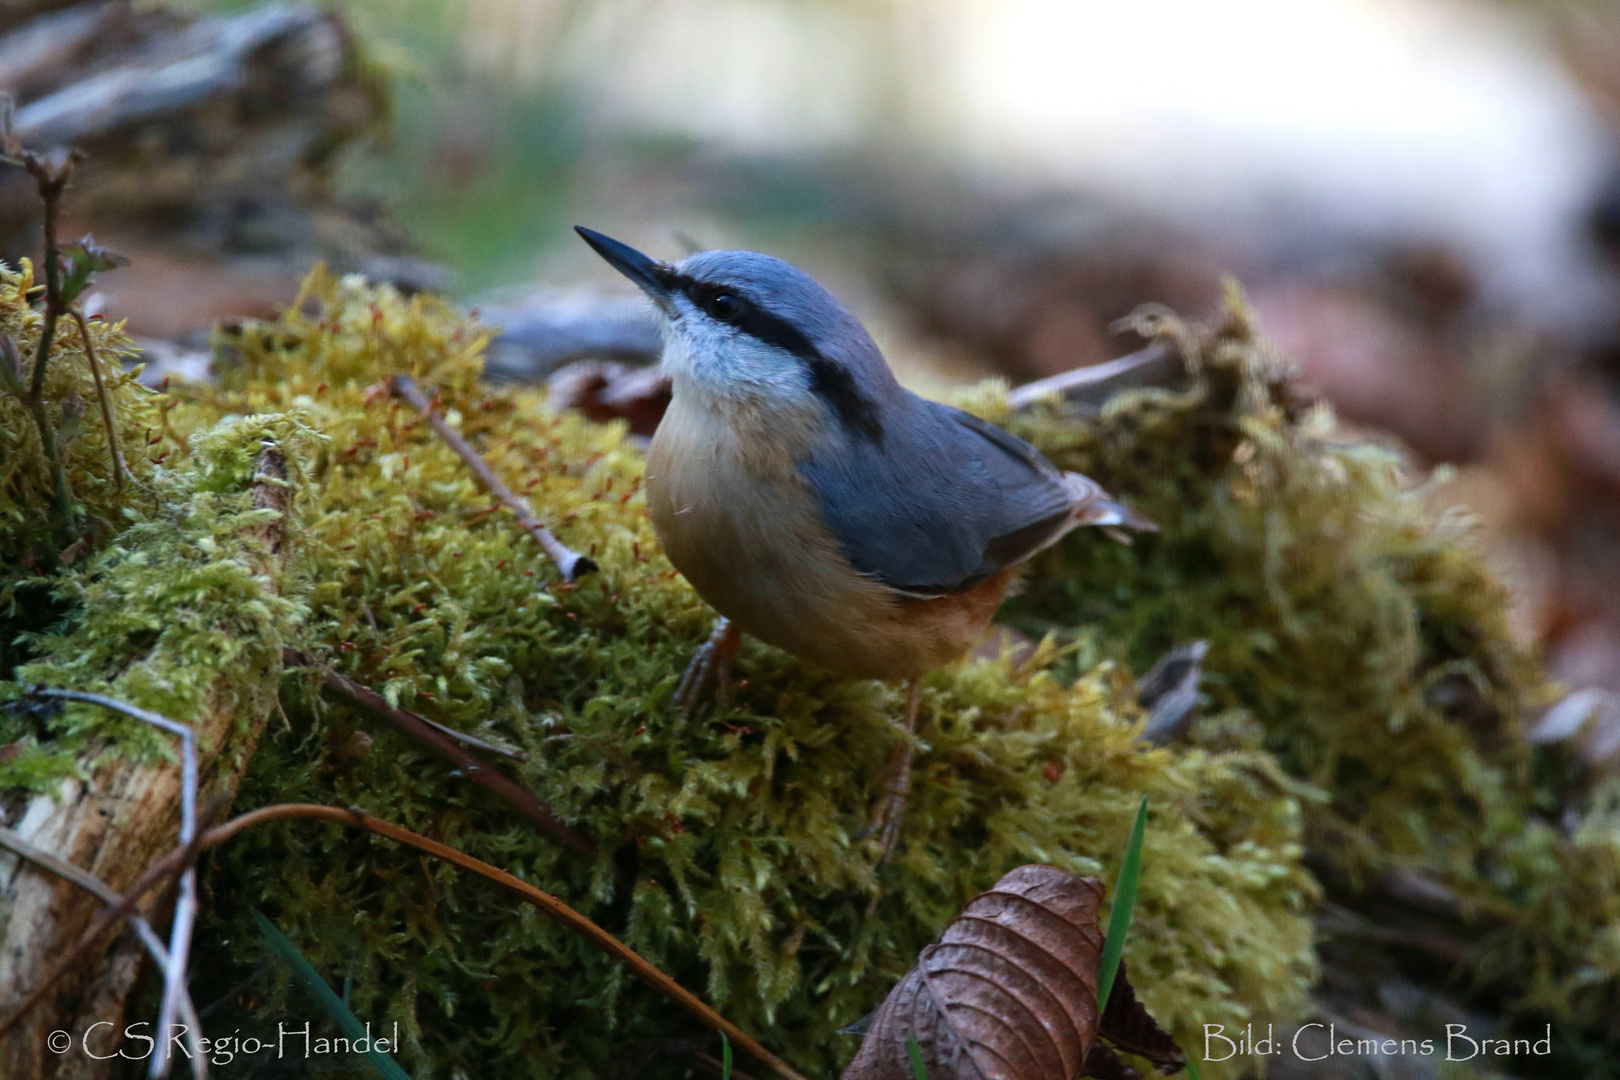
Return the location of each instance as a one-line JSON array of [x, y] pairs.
[[113, 825]]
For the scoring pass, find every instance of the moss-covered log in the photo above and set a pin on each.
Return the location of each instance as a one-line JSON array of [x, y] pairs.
[[116, 815], [171, 601]]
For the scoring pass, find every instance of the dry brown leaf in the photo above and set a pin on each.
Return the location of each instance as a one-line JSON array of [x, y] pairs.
[[1127, 1026], [1009, 992]]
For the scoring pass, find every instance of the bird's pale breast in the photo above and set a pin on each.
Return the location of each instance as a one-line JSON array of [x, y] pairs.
[[738, 521]]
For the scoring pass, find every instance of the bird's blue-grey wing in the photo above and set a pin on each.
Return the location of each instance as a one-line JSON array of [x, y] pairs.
[[942, 502]]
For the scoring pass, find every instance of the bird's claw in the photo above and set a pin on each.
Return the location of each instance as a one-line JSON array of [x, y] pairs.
[[711, 661]]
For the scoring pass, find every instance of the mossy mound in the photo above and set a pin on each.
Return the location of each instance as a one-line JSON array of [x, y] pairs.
[[1353, 636], [1354, 633], [159, 602], [728, 843]]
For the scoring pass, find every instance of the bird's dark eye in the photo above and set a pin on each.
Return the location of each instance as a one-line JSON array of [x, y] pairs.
[[725, 307]]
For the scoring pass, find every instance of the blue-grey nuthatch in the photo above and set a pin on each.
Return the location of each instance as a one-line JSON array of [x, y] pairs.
[[818, 504]]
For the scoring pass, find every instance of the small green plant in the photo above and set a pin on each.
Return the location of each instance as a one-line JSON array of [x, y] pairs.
[[1119, 920], [339, 1010], [725, 1057]]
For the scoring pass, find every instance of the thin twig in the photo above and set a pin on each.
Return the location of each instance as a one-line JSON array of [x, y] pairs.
[[185, 905], [170, 864], [1153, 366], [572, 564], [472, 767], [143, 929], [50, 179], [119, 466], [469, 740]]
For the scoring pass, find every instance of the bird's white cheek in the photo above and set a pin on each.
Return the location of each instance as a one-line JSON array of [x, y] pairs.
[[720, 364]]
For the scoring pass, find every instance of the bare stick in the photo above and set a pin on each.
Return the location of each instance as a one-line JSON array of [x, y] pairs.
[[143, 929], [572, 564], [185, 905], [1155, 365], [50, 178], [468, 740], [472, 767], [119, 466], [579, 924]]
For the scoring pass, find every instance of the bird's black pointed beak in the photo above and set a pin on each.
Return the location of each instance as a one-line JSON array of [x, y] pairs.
[[644, 270]]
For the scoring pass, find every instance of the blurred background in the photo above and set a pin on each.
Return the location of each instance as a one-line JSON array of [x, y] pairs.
[[1421, 197]]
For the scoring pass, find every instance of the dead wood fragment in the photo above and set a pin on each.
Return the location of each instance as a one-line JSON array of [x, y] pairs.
[[605, 391], [1169, 691]]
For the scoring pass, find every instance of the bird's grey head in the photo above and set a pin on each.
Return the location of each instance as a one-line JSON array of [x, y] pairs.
[[744, 327]]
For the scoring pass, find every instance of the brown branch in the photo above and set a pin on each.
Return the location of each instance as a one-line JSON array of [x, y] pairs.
[[171, 863], [119, 466], [572, 564], [474, 768]]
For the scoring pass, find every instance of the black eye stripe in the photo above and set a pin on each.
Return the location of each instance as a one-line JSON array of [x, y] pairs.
[[830, 380]]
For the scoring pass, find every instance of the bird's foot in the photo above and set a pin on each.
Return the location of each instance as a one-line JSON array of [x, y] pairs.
[[712, 661], [890, 814]]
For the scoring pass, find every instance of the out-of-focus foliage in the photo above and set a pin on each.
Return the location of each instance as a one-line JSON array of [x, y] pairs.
[[1352, 633]]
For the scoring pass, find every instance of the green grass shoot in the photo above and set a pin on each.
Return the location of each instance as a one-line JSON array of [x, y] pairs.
[[334, 1005], [918, 1069], [1192, 1068], [725, 1057], [1119, 920]]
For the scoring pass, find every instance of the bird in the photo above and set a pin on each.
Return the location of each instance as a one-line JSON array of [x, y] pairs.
[[820, 506]]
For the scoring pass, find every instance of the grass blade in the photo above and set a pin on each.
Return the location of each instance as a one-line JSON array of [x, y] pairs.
[[725, 1057], [1119, 919], [1192, 1068], [312, 981], [918, 1069]]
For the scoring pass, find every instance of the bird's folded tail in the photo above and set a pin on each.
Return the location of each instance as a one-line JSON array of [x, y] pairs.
[[1094, 506]]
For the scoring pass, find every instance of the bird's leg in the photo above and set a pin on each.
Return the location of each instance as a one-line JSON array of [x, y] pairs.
[[712, 660], [891, 812]]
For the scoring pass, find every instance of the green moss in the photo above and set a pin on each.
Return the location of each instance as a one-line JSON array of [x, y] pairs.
[[1354, 630], [729, 849], [1363, 691], [168, 605]]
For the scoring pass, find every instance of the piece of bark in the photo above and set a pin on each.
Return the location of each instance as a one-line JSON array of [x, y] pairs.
[[1169, 691], [113, 825], [606, 391]]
